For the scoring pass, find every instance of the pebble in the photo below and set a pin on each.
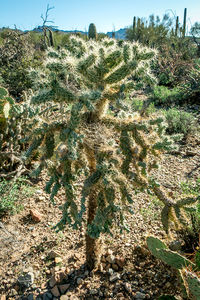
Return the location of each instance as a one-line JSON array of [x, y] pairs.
[[35, 215], [58, 260], [64, 297], [26, 280], [63, 287], [140, 296], [47, 296], [53, 254], [110, 271], [79, 280], [114, 277], [111, 259], [128, 287], [93, 292], [30, 297], [55, 292], [39, 192]]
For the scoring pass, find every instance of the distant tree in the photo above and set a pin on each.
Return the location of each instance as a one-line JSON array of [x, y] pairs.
[[48, 34]]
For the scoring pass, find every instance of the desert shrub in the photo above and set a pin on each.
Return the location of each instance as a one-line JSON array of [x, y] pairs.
[[175, 59], [12, 194], [179, 121], [17, 56], [16, 121], [191, 86], [162, 95]]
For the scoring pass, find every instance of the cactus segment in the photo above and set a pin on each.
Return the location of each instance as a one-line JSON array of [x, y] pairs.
[[154, 244], [193, 283]]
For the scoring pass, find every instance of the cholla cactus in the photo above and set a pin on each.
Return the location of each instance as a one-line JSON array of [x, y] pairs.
[[15, 123], [114, 154]]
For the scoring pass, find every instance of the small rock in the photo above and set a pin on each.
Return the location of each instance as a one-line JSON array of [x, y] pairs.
[[111, 259], [167, 285], [120, 261], [63, 287], [93, 292], [175, 245], [79, 280], [128, 287], [114, 277], [35, 215], [30, 297], [47, 296], [55, 292], [26, 280], [58, 260], [110, 271], [52, 281], [140, 296], [64, 297], [13, 292], [39, 192], [53, 254], [115, 267], [109, 252]]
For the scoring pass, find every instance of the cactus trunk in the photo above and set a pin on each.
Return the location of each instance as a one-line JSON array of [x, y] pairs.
[[184, 22], [93, 249], [177, 26]]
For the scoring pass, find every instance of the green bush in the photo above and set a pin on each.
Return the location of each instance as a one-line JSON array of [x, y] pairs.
[[165, 96], [17, 56], [191, 87], [179, 122], [11, 194]]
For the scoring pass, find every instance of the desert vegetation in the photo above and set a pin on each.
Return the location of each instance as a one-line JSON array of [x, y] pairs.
[[99, 155]]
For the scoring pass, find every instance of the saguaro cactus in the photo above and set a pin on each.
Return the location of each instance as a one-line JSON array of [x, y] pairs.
[[51, 38], [92, 32], [184, 22], [177, 26]]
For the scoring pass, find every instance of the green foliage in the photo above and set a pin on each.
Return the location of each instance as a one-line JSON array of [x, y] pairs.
[[17, 56], [12, 194], [191, 87], [15, 122], [179, 121], [165, 96], [92, 32]]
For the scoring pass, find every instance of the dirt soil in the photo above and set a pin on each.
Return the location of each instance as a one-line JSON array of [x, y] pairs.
[[128, 271]]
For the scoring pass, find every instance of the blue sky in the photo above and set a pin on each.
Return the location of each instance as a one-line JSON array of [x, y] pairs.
[[78, 14]]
